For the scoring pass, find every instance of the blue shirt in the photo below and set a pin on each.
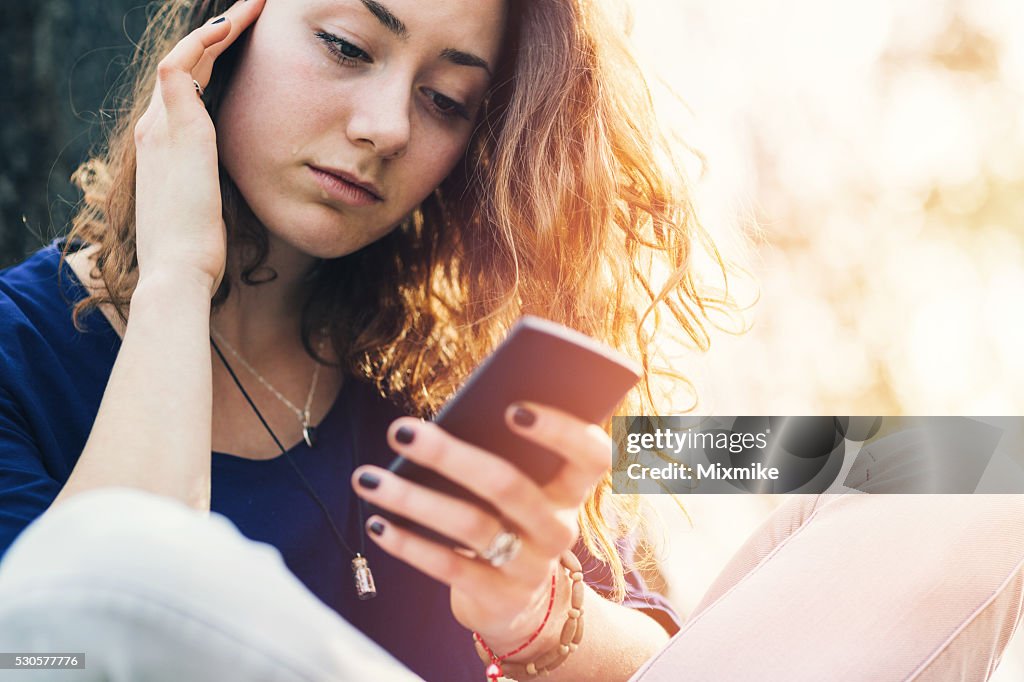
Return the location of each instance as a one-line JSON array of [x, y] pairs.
[[52, 378]]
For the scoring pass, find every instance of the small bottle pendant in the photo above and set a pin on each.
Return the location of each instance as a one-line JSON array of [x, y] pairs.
[[365, 589], [309, 434]]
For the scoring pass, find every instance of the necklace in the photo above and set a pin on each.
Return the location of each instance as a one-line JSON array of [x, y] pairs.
[[308, 430], [365, 587]]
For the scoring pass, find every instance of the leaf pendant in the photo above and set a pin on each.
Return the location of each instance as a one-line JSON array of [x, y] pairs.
[[309, 435]]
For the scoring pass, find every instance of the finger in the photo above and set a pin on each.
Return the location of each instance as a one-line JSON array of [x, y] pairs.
[[586, 448], [174, 72], [435, 560], [515, 495], [458, 519], [450, 516], [240, 16]]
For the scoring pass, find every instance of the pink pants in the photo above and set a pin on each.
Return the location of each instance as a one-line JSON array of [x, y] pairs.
[[858, 587]]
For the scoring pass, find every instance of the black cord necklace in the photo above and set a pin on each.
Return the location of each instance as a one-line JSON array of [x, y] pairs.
[[365, 587]]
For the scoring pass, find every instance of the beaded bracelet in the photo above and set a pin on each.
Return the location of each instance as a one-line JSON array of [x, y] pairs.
[[572, 634]]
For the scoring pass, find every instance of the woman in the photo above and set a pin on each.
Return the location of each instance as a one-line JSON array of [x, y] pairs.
[[346, 200], [347, 206]]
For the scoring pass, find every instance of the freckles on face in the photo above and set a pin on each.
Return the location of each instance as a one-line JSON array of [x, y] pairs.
[[338, 122]]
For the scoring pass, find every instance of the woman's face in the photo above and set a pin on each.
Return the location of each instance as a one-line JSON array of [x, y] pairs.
[[383, 93]]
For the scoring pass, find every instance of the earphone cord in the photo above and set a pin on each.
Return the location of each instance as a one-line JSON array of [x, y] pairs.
[[298, 472]]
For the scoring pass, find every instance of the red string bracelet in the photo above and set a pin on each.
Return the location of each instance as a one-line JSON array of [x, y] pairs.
[[494, 671]]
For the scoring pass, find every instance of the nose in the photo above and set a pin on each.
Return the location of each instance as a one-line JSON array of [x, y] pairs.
[[380, 119]]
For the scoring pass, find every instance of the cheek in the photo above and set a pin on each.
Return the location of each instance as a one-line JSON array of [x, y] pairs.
[[268, 106], [247, 114], [432, 157]]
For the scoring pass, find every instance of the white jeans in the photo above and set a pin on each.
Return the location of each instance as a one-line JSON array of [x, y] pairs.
[[857, 588], [851, 588], [150, 590]]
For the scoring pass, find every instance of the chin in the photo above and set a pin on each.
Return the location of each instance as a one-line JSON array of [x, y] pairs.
[[324, 233]]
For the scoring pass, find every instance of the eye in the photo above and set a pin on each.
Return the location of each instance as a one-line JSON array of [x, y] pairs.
[[344, 51], [446, 107]]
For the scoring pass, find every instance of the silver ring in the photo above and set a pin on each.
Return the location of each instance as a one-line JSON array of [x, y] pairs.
[[504, 548], [199, 88]]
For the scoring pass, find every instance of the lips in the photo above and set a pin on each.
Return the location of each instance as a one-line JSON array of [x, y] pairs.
[[340, 190], [351, 179]]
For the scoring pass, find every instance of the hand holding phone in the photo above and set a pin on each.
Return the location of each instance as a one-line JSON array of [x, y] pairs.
[[539, 361]]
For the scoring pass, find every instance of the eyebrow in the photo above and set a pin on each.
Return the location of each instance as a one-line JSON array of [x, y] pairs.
[[384, 16], [465, 59], [398, 27]]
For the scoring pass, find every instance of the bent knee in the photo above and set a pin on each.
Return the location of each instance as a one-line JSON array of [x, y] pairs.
[[121, 534], [976, 542]]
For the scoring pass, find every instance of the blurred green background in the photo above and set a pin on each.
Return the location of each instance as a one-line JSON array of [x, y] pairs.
[[60, 59]]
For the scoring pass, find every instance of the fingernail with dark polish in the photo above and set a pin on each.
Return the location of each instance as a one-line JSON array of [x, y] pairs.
[[404, 435], [524, 417], [369, 481], [218, 21], [377, 528]]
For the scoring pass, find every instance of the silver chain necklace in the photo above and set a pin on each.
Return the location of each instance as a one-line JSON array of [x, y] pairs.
[[303, 415], [364, 583]]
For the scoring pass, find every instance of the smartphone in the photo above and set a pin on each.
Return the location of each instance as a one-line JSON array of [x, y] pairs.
[[540, 361]]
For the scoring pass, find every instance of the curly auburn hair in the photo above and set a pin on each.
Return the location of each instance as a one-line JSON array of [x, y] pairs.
[[566, 201]]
